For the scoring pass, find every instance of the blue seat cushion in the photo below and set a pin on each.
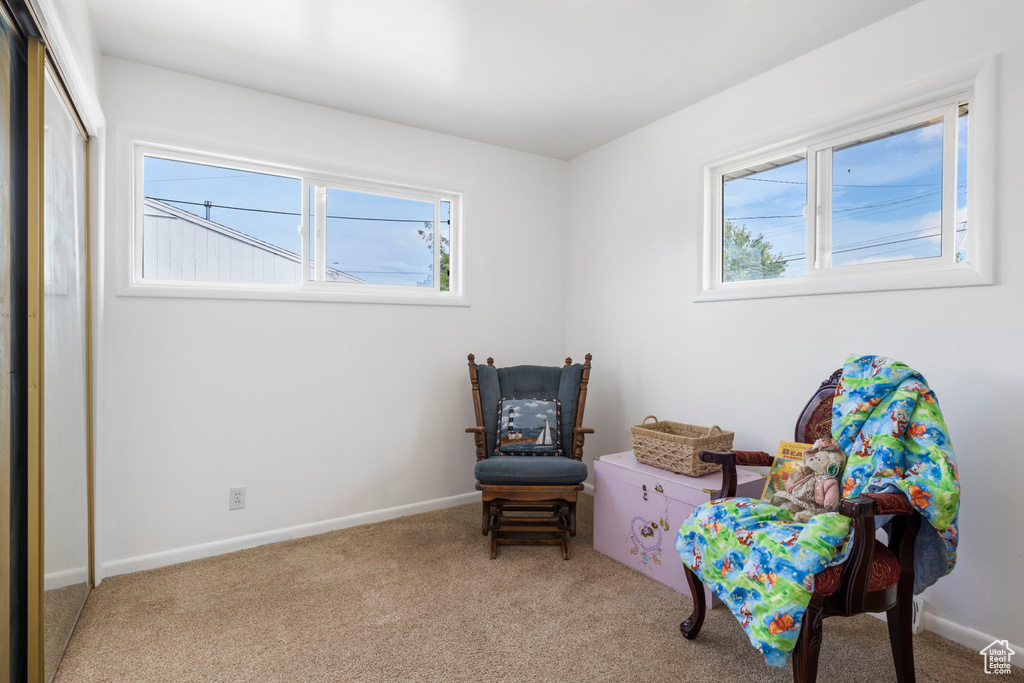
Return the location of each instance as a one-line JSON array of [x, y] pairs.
[[525, 469]]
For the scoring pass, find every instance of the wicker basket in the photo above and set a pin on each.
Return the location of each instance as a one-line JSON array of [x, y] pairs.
[[676, 447]]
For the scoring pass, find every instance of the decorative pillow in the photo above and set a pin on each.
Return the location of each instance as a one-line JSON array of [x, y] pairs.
[[529, 426]]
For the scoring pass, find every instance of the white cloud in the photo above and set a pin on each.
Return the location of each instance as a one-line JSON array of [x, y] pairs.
[[881, 258], [928, 134]]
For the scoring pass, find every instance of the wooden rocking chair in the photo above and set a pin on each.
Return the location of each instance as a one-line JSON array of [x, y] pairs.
[[874, 578], [544, 484]]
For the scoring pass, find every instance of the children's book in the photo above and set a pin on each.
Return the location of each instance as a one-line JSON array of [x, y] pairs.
[[788, 459]]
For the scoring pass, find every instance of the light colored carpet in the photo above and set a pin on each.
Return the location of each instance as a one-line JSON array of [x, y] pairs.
[[417, 599]]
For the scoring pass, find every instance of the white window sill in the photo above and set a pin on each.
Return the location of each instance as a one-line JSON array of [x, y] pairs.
[[840, 283], [340, 293]]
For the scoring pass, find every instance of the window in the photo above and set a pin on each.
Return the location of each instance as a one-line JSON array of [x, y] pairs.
[[880, 205], [206, 224]]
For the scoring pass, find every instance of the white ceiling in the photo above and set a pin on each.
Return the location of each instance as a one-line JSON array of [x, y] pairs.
[[556, 77]]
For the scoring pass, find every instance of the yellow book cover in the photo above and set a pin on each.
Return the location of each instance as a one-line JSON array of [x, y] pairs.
[[788, 458]]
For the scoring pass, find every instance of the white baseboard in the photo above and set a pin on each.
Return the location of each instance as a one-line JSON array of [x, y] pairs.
[[588, 488], [229, 545], [68, 577], [965, 635]]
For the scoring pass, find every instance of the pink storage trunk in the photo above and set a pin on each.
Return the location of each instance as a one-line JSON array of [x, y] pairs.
[[632, 504]]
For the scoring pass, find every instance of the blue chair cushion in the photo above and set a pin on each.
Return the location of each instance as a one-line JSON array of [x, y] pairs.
[[537, 470]]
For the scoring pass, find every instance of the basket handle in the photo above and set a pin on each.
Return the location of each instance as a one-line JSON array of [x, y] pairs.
[[649, 417], [713, 428]]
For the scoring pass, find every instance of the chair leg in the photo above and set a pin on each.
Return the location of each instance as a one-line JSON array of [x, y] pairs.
[[487, 518], [900, 621], [572, 518], [691, 627], [808, 644]]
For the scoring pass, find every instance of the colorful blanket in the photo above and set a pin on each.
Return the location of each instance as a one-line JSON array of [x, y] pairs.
[[761, 563]]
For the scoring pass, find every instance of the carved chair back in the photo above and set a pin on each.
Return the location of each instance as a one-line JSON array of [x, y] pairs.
[[815, 420]]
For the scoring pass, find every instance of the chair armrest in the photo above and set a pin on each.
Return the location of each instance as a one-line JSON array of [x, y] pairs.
[[854, 581], [857, 508], [754, 458], [862, 510], [718, 457], [891, 503], [728, 460], [479, 441], [747, 458], [578, 435]]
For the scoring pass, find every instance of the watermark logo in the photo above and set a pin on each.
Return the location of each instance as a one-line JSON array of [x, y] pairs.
[[997, 657]]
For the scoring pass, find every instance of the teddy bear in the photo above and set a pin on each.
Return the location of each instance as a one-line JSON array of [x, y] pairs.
[[813, 488]]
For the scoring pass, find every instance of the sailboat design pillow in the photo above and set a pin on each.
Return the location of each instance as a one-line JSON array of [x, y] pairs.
[[529, 426]]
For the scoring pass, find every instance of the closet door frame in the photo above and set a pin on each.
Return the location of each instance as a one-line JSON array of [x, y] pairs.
[[12, 619], [39, 64]]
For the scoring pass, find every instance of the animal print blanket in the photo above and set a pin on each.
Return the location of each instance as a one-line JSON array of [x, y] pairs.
[[761, 563]]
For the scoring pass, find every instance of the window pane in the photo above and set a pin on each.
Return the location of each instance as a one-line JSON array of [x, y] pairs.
[[764, 229], [961, 184], [215, 224], [887, 197], [446, 245], [378, 239], [312, 232]]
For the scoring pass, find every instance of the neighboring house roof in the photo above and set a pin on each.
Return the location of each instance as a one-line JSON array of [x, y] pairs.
[[179, 245]]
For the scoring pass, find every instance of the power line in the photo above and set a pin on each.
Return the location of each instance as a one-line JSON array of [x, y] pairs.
[[901, 200], [775, 231], [881, 244], [754, 218], [889, 203], [383, 272], [207, 177], [290, 213], [804, 182]]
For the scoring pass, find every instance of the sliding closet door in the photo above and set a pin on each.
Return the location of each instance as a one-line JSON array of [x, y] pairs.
[[11, 65], [65, 374]]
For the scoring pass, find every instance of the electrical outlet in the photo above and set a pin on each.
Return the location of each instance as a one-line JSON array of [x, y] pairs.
[[236, 498], [917, 620]]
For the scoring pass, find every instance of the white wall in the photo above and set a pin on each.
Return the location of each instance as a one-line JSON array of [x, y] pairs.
[[71, 39], [323, 410], [635, 211]]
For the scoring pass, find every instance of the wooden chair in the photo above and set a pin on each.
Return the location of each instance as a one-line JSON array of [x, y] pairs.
[[874, 578], [517, 484]]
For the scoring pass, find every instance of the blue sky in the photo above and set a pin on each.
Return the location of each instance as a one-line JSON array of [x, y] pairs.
[[383, 252], [886, 200]]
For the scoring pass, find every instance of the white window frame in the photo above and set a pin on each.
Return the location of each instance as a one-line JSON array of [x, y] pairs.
[[309, 288], [820, 276]]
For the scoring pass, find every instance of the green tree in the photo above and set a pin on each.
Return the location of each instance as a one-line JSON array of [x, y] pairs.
[[427, 233], [748, 258]]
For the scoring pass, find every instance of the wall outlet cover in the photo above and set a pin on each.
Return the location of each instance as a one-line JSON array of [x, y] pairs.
[[236, 498], [918, 619]]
